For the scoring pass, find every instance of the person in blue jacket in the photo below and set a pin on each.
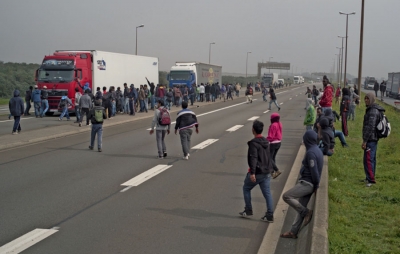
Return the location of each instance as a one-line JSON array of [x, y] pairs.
[[16, 106]]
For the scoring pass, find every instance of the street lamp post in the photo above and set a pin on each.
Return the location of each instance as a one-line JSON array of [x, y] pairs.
[[338, 70], [247, 59], [341, 59], [136, 37], [337, 66], [347, 28], [269, 60], [209, 52], [361, 47]]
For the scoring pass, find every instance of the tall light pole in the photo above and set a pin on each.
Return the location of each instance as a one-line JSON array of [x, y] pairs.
[[247, 59], [337, 66], [136, 37], [209, 52], [341, 59], [347, 29], [361, 47], [338, 72], [269, 60]]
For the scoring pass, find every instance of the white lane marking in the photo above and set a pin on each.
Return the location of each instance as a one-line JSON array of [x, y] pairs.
[[204, 144], [253, 118], [266, 111], [13, 119], [290, 99], [281, 103], [234, 128], [24, 242], [296, 95], [145, 176]]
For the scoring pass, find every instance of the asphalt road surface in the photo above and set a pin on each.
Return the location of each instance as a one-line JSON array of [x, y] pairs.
[[75, 195]]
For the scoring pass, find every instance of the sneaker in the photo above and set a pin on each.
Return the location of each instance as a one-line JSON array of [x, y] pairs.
[[19, 131], [165, 154], [275, 174], [59, 119], [68, 119], [246, 212], [345, 145], [14, 133], [185, 157], [76, 122], [368, 184], [188, 155], [268, 218], [91, 147], [160, 157], [100, 150], [80, 124]]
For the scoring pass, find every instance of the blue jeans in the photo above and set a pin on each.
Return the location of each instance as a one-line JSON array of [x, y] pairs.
[[64, 113], [114, 108], [142, 107], [96, 129], [264, 97], [77, 113], [126, 105], [264, 181], [191, 97], [17, 126], [44, 108], [273, 101], [324, 108], [340, 135], [213, 97], [37, 108], [370, 161], [329, 153]]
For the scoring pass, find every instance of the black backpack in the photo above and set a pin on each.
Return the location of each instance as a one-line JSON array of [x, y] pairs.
[[63, 102]]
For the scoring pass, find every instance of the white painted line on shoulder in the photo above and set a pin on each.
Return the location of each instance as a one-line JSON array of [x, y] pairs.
[[146, 176], [204, 144], [281, 103], [253, 118], [234, 128], [13, 119], [266, 111], [29, 239]]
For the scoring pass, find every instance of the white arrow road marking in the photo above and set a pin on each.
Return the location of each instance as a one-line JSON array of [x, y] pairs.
[[24, 242], [234, 128], [204, 144], [143, 177]]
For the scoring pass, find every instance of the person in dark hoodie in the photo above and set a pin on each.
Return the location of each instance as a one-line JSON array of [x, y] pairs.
[[344, 109], [273, 99], [326, 137], [310, 175], [184, 123], [370, 137], [16, 106], [259, 172], [332, 117], [97, 116]]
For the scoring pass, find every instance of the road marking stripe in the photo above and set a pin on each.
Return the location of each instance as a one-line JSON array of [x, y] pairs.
[[24, 242], [137, 180], [235, 128], [266, 111], [296, 95], [281, 103], [290, 99], [253, 118], [13, 120], [204, 144]]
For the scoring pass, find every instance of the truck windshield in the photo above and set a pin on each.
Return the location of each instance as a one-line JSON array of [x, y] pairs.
[[296, 78], [180, 75], [56, 75], [267, 79]]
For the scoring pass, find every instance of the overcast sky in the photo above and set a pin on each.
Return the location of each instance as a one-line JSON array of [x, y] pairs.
[[303, 33]]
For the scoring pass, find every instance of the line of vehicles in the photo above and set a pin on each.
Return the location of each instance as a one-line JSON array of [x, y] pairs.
[[269, 79], [392, 84]]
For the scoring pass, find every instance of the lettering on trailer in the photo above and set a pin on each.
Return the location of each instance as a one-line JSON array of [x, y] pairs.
[[154, 63], [210, 74], [58, 62], [101, 65]]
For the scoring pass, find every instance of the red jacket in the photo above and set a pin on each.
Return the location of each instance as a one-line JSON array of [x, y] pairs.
[[326, 99], [275, 129]]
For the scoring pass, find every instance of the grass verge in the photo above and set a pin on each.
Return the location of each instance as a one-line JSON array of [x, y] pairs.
[[361, 219], [4, 101]]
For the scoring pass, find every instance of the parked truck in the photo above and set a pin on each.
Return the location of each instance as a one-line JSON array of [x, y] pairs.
[[393, 85], [189, 73], [61, 71], [296, 80], [269, 79], [369, 83]]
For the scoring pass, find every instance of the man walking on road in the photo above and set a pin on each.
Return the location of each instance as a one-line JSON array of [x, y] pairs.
[[376, 88], [259, 172], [16, 106], [249, 94], [272, 97], [36, 94], [28, 98], [382, 88], [97, 116], [45, 102], [162, 122], [85, 104], [370, 137], [310, 175], [78, 96], [184, 124]]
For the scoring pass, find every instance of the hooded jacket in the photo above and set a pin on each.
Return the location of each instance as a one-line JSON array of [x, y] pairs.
[[16, 104], [186, 120], [326, 99], [371, 120], [311, 116], [85, 101], [258, 156], [68, 102], [36, 94], [345, 103], [313, 160], [275, 129], [327, 137]]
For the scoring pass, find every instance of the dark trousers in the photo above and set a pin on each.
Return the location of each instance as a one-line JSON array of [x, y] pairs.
[[17, 125], [274, 148], [344, 123], [28, 107], [132, 110], [83, 112]]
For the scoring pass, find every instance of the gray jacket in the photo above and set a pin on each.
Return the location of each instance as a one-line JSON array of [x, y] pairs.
[[85, 101]]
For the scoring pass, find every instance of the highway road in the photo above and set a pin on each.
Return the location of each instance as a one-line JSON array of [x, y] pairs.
[[69, 199]]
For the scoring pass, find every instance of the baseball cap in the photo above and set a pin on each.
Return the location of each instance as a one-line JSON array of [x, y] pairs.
[[36, 86], [44, 87]]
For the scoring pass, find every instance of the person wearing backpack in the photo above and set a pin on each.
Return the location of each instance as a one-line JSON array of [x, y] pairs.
[[184, 123], [85, 104], [162, 122], [372, 118], [63, 105], [97, 116]]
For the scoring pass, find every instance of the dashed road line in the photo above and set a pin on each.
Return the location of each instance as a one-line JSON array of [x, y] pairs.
[[290, 99], [13, 120], [266, 111], [234, 128], [137, 180], [281, 103], [204, 144], [253, 118]]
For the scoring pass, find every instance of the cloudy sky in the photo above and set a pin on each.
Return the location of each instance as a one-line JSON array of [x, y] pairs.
[[302, 32]]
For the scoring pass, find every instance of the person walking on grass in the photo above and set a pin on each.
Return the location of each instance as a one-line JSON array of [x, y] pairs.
[[184, 123], [162, 122], [376, 88], [310, 175], [97, 116], [63, 105], [273, 99], [16, 107], [344, 110], [353, 98], [259, 172], [370, 137], [338, 94], [274, 138]]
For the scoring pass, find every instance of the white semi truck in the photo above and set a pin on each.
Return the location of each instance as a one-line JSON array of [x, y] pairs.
[[270, 79]]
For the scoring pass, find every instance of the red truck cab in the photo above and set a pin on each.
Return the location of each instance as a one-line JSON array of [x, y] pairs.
[[60, 73]]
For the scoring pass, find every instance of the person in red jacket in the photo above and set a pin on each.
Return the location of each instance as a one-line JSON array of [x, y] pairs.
[[326, 99], [274, 137]]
